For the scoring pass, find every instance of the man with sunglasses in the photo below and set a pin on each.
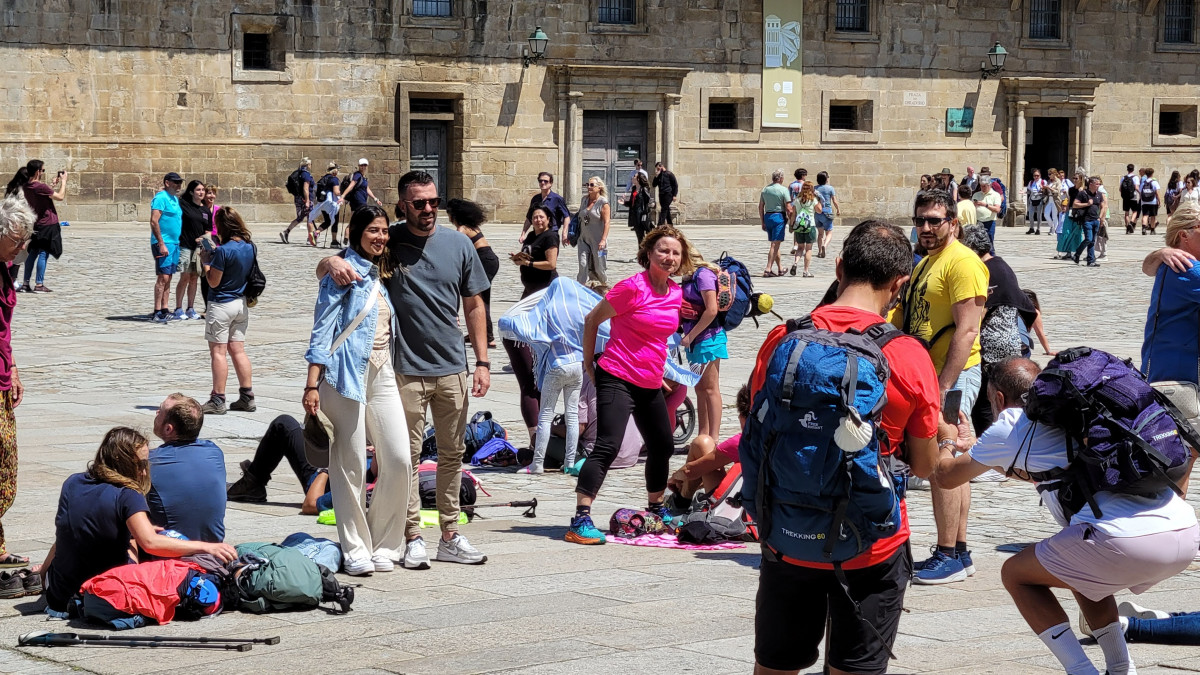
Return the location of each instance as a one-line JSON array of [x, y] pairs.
[[943, 305], [560, 216], [435, 267]]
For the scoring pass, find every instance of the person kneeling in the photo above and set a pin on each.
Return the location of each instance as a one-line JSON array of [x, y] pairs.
[[102, 522], [706, 462], [1134, 543]]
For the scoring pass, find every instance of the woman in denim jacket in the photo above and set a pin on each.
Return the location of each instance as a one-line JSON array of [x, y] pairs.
[[356, 387]]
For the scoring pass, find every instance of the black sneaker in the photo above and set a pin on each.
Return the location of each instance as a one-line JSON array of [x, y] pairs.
[[11, 586], [243, 404], [31, 582], [215, 406], [247, 488]]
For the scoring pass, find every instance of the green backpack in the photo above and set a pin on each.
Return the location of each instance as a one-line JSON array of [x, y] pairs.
[[274, 578]]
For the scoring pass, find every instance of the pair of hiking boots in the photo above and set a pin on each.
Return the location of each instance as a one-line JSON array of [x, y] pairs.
[[20, 583], [216, 406]]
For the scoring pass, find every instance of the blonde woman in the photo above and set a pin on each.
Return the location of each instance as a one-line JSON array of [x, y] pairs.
[[594, 220]]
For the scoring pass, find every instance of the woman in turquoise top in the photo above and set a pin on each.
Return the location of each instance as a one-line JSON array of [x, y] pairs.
[[350, 379]]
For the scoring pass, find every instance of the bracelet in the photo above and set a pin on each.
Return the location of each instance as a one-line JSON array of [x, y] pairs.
[[947, 443], [483, 364], [307, 389]]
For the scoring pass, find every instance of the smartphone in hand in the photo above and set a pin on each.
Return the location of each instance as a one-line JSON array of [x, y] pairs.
[[950, 406], [207, 244]]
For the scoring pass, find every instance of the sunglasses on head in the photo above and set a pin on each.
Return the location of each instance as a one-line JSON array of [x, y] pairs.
[[419, 204], [931, 221]]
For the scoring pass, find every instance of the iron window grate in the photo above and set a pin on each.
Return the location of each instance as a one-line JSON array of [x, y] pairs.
[[431, 8], [618, 11], [256, 51], [843, 117], [1179, 22], [1045, 20], [431, 105], [853, 16], [722, 115]]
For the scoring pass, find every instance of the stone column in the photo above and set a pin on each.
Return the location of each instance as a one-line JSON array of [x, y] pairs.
[[1085, 141], [668, 154], [574, 165], [1018, 165]]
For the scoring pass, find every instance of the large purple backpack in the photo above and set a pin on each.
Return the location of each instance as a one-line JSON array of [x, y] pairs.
[[1122, 435]]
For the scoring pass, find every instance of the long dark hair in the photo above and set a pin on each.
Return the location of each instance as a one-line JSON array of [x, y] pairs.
[[359, 222], [23, 176], [190, 193]]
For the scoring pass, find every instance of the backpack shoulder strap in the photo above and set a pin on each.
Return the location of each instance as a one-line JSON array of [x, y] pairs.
[[882, 334], [789, 374]]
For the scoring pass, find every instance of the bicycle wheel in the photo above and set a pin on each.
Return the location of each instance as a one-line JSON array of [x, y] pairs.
[[685, 422]]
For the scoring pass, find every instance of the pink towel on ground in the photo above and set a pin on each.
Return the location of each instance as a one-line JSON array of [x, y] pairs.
[[671, 541]]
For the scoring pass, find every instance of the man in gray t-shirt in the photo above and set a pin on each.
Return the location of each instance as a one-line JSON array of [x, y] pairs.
[[436, 267]]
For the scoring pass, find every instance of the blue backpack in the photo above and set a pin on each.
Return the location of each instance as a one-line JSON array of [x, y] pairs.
[[816, 479], [481, 429], [743, 299]]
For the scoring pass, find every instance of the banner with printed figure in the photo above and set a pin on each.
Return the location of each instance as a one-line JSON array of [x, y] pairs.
[[783, 51]]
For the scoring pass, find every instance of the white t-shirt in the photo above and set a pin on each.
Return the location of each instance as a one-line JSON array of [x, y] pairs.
[[1014, 440]]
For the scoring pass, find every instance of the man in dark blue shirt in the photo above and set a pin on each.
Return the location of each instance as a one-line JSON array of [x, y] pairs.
[[560, 216], [187, 475]]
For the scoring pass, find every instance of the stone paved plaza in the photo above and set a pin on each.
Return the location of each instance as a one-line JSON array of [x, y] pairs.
[[539, 605]]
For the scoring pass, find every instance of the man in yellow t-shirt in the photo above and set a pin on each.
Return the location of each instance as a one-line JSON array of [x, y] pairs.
[[943, 305], [966, 207]]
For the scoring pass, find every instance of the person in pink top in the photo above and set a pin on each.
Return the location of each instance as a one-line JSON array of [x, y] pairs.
[[643, 312]]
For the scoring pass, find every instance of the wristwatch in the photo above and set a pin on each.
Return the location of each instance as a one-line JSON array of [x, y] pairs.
[[483, 364]]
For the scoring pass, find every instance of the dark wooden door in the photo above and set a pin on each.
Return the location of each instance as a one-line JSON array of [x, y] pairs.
[[427, 151], [611, 141]]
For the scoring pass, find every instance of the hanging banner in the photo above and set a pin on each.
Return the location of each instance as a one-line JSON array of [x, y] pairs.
[[783, 51]]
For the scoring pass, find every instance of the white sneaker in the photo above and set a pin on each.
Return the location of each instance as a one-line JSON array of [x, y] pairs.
[[1083, 625], [1138, 612], [358, 568], [990, 476], [382, 563], [459, 550], [415, 557]]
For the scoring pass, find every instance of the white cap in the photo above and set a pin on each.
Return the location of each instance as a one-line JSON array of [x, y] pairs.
[[363, 161]]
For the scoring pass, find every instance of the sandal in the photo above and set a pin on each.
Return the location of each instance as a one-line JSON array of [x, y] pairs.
[[8, 560]]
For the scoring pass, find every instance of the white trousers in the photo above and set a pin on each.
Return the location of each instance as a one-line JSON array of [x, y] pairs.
[[328, 206], [381, 530]]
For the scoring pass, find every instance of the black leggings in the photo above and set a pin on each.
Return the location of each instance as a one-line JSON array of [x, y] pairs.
[[521, 358], [491, 265], [616, 400], [284, 438]]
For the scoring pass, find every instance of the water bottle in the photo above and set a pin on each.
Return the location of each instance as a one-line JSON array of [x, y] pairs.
[[603, 255], [64, 223]]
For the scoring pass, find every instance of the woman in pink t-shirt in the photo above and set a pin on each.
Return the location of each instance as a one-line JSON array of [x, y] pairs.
[[643, 311]]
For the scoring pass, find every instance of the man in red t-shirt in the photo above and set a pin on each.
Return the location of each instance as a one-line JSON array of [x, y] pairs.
[[796, 599]]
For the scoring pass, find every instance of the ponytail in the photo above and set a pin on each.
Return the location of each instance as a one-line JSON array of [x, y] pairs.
[[23, 176]]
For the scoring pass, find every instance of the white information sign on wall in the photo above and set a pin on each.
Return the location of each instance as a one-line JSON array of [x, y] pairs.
[[914, 99]]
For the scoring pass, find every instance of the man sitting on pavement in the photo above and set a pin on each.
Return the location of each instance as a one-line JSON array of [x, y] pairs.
[[187, 475], [284, 439], [706, 461], [1135, 543]]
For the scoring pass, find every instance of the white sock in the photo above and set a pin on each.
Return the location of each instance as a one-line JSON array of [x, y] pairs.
[[1065, 646], [1111, 639]]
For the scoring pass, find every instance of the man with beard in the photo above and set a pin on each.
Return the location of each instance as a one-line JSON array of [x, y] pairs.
[[943, 305], [435, 267]]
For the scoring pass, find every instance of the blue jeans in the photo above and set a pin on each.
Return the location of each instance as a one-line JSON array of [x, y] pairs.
[[1183, 628], [991, 230], [1090, 227], [36, 258]]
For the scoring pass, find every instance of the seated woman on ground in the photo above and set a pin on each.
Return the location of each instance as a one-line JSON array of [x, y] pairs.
[[706, 462], [103, 520]]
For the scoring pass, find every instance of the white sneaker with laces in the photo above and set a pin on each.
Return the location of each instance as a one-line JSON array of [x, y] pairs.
[[415, 557], [459, 550], [358, 568], [382, 563], [1138, 612]]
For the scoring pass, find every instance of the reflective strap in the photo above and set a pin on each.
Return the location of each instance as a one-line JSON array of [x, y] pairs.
[[850, 380]]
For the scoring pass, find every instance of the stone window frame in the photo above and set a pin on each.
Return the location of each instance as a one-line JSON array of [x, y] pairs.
[[456, 20], [1066, 28], [1161, 45], [832, 33], [749, 114], [638, 27], [867, 102], [281, 27], [1190, 106]]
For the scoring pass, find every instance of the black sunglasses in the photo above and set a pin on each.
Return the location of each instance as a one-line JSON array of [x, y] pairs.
[[931, 221], [543, 181], [419, 204]]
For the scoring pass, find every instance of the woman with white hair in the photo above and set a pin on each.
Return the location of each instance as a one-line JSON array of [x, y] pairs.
[[16, 224], [594, 219]]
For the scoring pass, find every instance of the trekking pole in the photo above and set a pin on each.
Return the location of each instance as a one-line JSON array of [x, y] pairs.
[[47, 639], [530, 507]]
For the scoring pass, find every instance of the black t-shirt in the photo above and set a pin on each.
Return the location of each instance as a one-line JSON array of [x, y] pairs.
[[1005, 291], [1092, 212], [90, 534], [533, 278], [195, 222]]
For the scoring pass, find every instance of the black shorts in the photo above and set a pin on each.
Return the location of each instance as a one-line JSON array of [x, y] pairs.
[[794, 603], [1128, 205], [1149, 209]]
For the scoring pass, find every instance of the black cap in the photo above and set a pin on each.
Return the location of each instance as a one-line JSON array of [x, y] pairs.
[[173, 177]]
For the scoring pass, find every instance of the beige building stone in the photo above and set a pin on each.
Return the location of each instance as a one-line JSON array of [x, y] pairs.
[[120, 92]]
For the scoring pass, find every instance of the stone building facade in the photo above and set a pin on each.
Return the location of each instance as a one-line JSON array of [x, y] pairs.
[[236, 91]]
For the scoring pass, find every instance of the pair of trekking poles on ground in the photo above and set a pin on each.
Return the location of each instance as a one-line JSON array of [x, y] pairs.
[[48, 639]]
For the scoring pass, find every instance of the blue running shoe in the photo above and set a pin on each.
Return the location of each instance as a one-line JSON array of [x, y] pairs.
[[191, 314], [968, 565], [584, 532], [940, 569]]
